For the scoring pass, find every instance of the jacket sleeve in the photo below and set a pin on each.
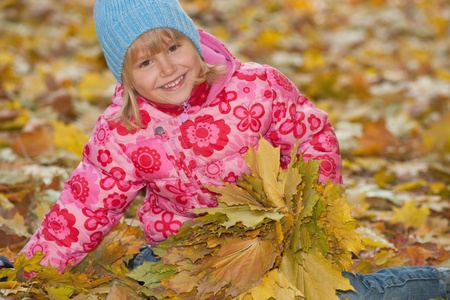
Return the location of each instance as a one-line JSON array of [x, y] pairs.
[[294, 118], [94, 199]]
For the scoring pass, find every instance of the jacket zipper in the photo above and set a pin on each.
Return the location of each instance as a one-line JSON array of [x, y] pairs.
[[184, 115]]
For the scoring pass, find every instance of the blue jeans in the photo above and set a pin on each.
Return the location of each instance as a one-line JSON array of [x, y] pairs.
[[145, 254], [402, 283], [405, 283]]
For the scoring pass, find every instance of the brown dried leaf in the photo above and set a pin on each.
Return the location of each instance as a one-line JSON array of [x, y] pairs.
[[240, 263], [377, 140], [35, 139]]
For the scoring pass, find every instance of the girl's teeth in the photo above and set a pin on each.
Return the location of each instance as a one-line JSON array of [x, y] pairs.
[[173, 83]]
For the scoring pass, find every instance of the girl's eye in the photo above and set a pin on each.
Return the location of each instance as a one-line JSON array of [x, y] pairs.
[[145, 63], [173, 48]]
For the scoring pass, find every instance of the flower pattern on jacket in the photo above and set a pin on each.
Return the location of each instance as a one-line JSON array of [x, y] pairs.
[[146, 160], [104, 157], [122, 130], [295, 123], [204, 135], [180, 192], [101, 134], [116, 202], [183, 164], [214, 169], [279, 112], [35, 247], [252, 75], [286, 85], [223, 101], [95, 240], [247, 89], [95, 219], [58, 226], [326, 142], [116, 179], [249, 116], [328, 167], [167, 225]]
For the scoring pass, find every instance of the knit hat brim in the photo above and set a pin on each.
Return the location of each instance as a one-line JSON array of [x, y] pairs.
[[120, 22]]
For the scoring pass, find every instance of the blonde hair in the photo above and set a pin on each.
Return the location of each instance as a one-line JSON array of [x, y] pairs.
[[153, 42]]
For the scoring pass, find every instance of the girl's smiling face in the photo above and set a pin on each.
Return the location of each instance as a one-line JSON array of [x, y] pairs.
[[169, 75]]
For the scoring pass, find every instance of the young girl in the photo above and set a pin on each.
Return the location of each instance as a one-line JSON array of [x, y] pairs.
[[182, 116]]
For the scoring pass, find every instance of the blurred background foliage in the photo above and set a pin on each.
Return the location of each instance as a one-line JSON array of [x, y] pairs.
[[380, 68]]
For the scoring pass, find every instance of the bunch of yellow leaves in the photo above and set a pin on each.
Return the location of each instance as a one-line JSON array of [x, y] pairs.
[[277, 234]]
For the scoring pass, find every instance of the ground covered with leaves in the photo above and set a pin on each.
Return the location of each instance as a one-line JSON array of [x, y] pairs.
[[380, 68]]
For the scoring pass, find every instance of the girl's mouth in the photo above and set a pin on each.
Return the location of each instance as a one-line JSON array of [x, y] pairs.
[[174, 83]]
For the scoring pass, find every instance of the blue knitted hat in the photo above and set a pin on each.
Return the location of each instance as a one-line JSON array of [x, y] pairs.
[[120, 22]]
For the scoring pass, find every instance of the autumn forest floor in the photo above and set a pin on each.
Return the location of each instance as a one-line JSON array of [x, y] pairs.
[[380, 68]]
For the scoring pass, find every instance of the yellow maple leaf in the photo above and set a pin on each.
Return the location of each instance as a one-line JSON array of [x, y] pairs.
[[410, 185], [86, 32], [437, 137], [275, 286], [383, 257], [338, 211], [69, 137], [14, 226], [94, 86], [234, 195], [350, 241], [410, 215], [373, 239], [183, 282], [302, 5], [51, 274], [320, 279], [313, 59], [119, 293], [269, 38], [240, 263], [35, 84], [6, 58], [268, 170], [60, 293], [23, 264], [20, 116]]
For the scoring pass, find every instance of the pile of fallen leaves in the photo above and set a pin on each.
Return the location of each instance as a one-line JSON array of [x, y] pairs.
[[380, 68]]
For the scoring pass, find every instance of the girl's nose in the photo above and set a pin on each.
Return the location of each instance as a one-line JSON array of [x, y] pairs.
[[167, 67]]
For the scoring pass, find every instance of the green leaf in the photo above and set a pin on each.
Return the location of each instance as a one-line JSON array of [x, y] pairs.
[[151, 273], [249, 218], [291, 179], [310, 197]]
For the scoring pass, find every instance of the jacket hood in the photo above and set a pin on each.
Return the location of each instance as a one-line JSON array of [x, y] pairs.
[[214, 52]]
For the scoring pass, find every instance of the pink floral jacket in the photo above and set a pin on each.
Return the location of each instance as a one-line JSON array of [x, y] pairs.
[[173, 158]]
